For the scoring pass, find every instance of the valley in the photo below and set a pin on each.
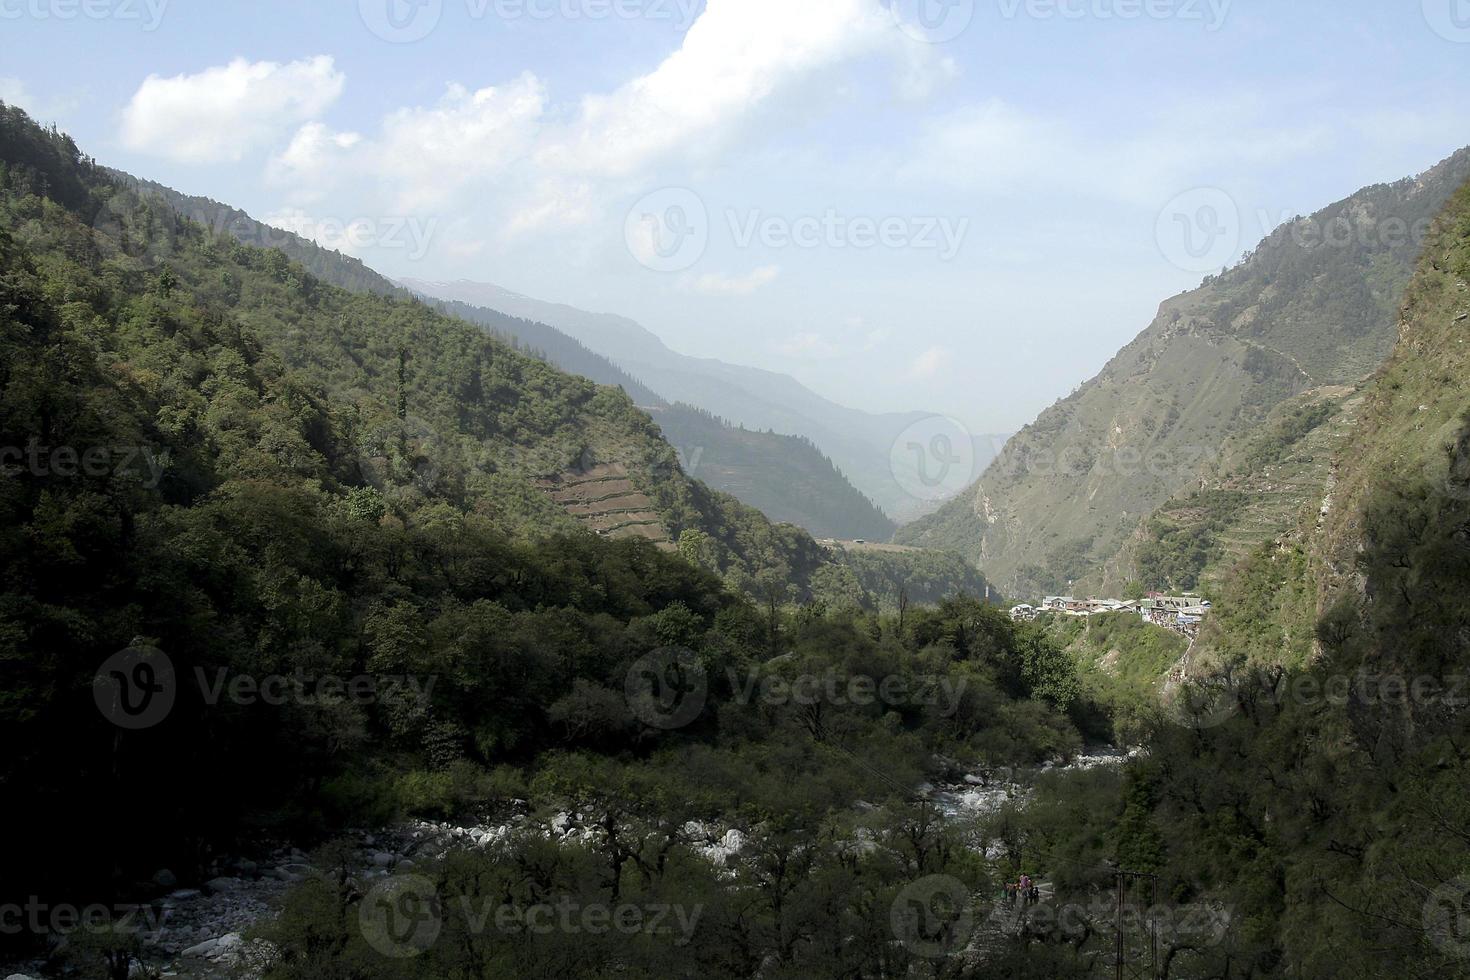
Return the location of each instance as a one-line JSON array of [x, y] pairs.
[[362, 619]]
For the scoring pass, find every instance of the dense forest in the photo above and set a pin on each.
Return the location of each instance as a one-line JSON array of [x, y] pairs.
[[785, 477], [219, 467], [224, 476]]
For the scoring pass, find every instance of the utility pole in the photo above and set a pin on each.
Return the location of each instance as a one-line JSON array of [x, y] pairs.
[[1141, 963]]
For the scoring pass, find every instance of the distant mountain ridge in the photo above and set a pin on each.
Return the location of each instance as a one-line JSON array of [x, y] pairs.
[[1314, 305], [859, 443], [785, 477]]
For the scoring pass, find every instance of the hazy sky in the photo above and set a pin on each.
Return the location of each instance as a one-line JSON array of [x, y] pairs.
[[948, 205]]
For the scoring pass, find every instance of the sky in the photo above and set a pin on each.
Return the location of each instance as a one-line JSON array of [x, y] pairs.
[[957, 206]]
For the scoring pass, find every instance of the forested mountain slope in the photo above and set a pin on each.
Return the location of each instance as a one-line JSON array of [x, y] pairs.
[[830, 508], [221, 468], [1309, 783], [784, 477], [1313, 306], [859, 443]]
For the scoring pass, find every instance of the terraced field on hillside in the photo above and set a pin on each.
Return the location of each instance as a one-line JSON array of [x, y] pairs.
[[606, 501], [1264, 483]]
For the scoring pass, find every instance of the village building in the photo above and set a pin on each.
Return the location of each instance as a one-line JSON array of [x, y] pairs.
[[1024, 613]]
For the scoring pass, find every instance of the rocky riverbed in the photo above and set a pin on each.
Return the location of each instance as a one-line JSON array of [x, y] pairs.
[[983, 793], [200, 930]]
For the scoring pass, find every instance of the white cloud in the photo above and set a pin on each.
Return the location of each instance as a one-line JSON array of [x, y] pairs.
[[712, 284], [818, 347], [874, 339], [737, 56], [429, 153], [223, 113], [327, 234], [553, 203], [927, 364], [14, 92], [996, 148], [316, 155], [410, 236], [551, 164], [812, 345]]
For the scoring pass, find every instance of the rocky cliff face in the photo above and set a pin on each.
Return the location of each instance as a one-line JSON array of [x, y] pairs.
[[1315, 305]]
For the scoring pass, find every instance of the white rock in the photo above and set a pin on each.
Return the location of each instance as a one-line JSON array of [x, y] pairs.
[[220, 886], [203, 949]]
